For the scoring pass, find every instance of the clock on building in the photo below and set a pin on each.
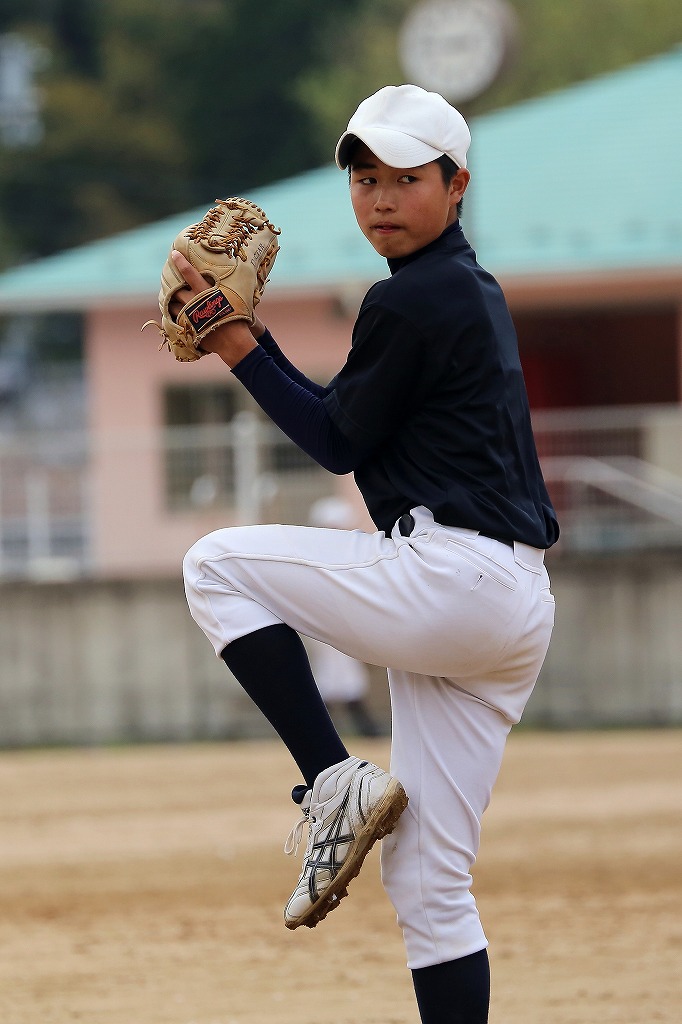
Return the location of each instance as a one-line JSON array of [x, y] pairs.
[[457, 47]]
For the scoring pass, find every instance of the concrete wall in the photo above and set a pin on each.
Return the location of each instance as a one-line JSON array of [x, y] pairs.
[[97, 663], [616, 653], [107, 662]]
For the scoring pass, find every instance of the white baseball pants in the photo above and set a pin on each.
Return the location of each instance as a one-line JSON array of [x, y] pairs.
[[462, 623]]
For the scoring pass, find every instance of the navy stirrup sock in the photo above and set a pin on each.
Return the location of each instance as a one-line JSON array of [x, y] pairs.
[[456, 992], [272, 665]]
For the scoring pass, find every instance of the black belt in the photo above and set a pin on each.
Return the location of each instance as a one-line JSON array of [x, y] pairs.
[[406, 525]]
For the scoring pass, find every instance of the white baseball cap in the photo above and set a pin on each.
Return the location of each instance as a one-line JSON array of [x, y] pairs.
[[406, 126]]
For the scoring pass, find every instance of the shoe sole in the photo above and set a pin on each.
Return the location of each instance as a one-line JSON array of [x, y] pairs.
[[381, 823]]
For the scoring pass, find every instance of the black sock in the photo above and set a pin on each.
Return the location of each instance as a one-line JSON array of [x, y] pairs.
[[456, 992], [272, 665]]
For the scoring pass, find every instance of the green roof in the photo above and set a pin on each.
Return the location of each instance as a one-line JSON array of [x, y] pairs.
[[584, 179], [321, 245]]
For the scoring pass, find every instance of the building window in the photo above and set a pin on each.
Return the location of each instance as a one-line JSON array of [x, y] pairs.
[[198, 445], [221, 451], [44, 452]]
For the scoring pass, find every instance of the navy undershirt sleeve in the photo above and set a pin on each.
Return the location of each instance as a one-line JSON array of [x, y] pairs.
[[269, 345], [298, 411]]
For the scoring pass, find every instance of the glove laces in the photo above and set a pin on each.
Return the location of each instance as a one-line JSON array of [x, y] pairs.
[[233, 237]]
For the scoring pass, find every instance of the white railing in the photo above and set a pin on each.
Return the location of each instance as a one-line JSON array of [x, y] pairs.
[[44, 517], [608, 494], [247, 467]]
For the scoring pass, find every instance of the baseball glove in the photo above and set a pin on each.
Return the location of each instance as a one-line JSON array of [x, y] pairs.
[[234, 247]]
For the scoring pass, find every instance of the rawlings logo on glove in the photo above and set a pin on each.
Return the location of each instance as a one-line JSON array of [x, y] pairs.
[[234, 246], [207, 309]]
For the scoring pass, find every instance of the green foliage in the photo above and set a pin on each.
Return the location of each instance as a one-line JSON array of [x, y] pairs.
[[153, 106], [149, 108], [559, 42], [359, 57], [566, 41]]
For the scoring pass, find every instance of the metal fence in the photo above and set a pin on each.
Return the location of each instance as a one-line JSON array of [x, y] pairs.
[[602, 468], [608, 492], [44, 508], [247, 467]]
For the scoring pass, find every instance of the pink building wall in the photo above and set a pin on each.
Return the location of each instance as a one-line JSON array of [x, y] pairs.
[[133, 534]]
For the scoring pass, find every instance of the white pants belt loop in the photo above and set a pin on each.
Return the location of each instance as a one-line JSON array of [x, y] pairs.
[[530, 558]]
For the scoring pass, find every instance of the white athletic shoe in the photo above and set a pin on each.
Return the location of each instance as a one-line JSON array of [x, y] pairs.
[[351, 805]]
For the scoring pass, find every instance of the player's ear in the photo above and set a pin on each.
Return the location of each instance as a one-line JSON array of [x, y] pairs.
[[458, 186]]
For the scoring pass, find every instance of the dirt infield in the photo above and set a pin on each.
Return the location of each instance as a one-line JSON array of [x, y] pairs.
[[146, 886]]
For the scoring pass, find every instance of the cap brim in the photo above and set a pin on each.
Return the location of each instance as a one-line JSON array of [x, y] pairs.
[[392, 148]]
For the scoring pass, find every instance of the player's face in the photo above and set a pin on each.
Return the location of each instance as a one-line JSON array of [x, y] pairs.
[[402, 209]]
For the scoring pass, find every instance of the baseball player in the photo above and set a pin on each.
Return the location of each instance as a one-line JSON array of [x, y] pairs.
[[450, 593]]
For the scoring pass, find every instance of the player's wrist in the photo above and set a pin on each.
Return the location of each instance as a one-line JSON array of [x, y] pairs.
[[258, 329], [231, 342]]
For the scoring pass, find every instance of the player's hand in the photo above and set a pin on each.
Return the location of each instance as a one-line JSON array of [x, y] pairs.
[[195, 282], [231, 341]]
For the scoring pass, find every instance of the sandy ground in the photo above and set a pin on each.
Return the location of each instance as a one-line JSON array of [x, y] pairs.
[[146, 886]]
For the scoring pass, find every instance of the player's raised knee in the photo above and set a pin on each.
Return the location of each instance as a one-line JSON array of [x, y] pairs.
[[192, 562], [213, 545]]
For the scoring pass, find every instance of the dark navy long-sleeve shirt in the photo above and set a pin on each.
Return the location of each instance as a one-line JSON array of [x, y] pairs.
[[430, 407]]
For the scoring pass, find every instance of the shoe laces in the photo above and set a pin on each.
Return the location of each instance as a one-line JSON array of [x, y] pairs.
[[296, 835]]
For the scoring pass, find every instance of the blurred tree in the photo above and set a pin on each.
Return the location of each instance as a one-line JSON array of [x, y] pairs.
[[360, 56], [152, 107], [559, 43], [77, 26]]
